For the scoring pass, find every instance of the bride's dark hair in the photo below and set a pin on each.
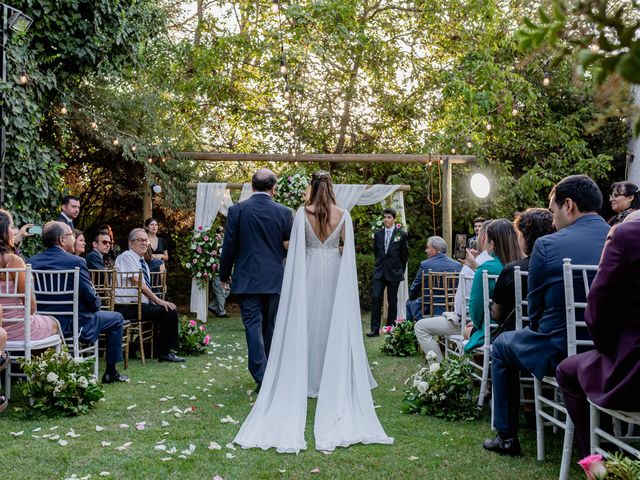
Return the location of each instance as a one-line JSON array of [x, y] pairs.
[[321, 196]]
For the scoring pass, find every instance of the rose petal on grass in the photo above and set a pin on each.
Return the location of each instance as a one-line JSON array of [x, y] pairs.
[[315, 470], [16, 434], [105, 474], [230, 446], [37, 429], [142, 382], [214, 446], [164, 423], [192, 397], [218, 477], [230, 455], [375, 363], [99, 428], [54, 437], [54, 427], [141, 425], [124, 425], [183, 457], [106, 444], [152, 387], [219, 405], [131, 407], [282, 470], [161, 448], [72, 434], [393, 389], [412, 458], [63, 443], [165, 459]]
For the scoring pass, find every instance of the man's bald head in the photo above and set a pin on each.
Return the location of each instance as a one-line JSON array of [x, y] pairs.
[[263, 180]]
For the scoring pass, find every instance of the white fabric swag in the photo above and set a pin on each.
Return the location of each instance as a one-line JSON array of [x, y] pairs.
[[212, 198]]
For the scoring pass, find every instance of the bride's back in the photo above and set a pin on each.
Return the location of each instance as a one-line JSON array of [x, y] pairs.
[[333, 219]]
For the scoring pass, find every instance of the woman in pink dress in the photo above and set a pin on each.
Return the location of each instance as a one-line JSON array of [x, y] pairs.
[[42, 326]]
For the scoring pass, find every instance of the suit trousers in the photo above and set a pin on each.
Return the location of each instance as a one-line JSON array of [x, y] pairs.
[[164, 321], [576, 402], [377, 294], [259, 318], [111, 324]]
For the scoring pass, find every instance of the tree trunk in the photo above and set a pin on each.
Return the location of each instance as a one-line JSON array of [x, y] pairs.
[[346, 113], [200, 14]]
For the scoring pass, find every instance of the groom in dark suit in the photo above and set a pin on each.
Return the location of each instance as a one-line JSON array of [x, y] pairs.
[[391, 251], [256, 237]]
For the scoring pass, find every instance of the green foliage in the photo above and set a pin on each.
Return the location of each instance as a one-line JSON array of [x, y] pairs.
[[192, 338], [400, 339], [442, 390], [620, 467], [59, 384], [365, 264]]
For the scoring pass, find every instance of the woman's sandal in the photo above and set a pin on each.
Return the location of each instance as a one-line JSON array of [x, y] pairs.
[[3, 403], [5, 358]]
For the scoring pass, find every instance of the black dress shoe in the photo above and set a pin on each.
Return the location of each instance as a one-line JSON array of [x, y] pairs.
[[115, 378], [222, 315], [170, 357], [257, 389], [510, 446], [373, 334]]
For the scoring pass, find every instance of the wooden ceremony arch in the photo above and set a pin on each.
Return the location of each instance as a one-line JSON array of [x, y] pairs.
[[447, 162]]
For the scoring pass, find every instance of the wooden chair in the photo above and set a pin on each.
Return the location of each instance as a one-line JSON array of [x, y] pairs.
[[104, 282], [159, 283], [129, 294], [557, 416], [59, 290], [21, 303], [441, 292]]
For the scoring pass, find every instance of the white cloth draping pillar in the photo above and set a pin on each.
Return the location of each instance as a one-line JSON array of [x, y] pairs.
[[246, 192], [376, 193], [403, 290], [211, 198], [348, 196]]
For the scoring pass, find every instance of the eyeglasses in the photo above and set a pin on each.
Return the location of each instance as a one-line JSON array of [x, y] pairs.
[[615, 195], [140, 240], [69, 234], [105, 242]]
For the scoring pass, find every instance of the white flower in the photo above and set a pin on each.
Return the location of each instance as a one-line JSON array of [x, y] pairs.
[[431, 355], [83, 382], [52, 377], [423, 387], [434, 367], [78, 360]]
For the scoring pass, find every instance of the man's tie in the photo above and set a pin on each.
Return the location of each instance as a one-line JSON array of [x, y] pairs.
[[387, 239], [145, 272]]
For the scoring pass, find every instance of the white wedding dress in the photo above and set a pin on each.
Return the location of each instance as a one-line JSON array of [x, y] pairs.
[[317, 351]]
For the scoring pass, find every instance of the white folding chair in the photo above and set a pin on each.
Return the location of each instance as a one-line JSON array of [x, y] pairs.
[[522, 320], [558, 416], [617, 439], [482, 370], [58, 291], [454, 344], [20, 302]]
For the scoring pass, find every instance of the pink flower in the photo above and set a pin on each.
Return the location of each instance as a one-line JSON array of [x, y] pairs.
[[192, 323], [194, 261], [289, 178], [199, 249], [387, 329], [199, 227], [206, 239], [398, 225], [399, 320], [207, 339], [214, 267], [202, 328], [593, 466]]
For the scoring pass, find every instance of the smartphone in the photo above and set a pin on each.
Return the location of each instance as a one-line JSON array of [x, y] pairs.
[[35, 230], [461, 245]]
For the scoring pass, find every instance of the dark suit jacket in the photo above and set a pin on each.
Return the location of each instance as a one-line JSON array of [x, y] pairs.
[[610, 375], [253, 240], [55, 258], [390, 265], [62, 218], [95, 261], [543, 345], [437, 263]]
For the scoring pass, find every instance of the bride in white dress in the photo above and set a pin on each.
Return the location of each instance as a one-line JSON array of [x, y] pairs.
[[317, 348]]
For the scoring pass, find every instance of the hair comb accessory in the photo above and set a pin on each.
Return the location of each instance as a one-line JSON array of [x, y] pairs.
[[321, 174]]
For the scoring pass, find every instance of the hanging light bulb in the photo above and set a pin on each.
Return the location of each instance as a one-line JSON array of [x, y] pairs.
[[163, 159], [283, 67], [133, 148], [469, 144], [286, 94], [453, 151], [23, 79], [150, 160], [546, 80], [116, 142], [289, 123], [94, 125], [275, 8], [63, 109], [489, 127]]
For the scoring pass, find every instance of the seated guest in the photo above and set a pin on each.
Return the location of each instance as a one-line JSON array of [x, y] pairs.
[[530, 225], [80, 245], [59, 240], [609, 376], [4, 361], [41, 326], [160, 312], [539, 347], [624, 198], [502, 244], [114, 250], [437, 262], [427, 328], [101, 245]]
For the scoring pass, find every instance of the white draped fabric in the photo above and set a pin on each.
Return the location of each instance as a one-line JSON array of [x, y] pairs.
[[211, 198], [345, 412], [348, 196], [246, 192]]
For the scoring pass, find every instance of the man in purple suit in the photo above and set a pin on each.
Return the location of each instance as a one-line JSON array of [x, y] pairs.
[[609, 375]]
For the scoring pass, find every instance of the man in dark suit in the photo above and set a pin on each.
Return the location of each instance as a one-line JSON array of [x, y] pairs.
[[101, 246], [437, 261], [609, 375], [58, 239], [538, 349], [70, 211], [391, 251], [256, 237]]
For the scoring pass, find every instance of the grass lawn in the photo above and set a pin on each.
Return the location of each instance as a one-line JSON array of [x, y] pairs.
[[217, 385]]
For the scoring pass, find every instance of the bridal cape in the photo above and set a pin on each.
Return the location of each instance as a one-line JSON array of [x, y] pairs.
[[344, 413]]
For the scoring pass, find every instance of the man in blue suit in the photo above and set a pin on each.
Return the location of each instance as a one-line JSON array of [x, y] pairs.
[[537, 349], [58, 239], [438, 261], [256, 238]]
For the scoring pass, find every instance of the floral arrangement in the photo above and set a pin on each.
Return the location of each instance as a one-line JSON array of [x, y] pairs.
[[400, 340], [291, 189], [59, 384], [206, 247], [617, 467], [377, 223], [192, 338], [442, 390]]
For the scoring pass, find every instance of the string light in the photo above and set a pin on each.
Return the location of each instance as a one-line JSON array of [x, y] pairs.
[[150, 160], [469, 144], [453, 151], [515, 111], [286, 95], [23, 79], [283, 67], [94, 125], [289, 123], [63, 109], [133, 147], [489, 126], [546, 79], [594, 47], [116, 142], [275, 8]]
